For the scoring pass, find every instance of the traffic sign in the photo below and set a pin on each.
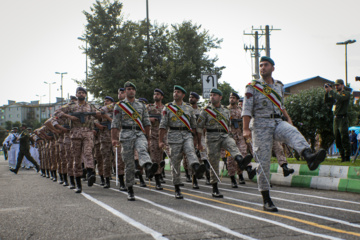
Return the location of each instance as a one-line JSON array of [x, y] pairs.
[[209, 81]]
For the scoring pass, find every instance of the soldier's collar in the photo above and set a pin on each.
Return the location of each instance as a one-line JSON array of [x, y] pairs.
[[182, 104]]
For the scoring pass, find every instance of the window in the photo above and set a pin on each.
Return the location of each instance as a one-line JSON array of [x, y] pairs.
[[18, 115], [10, 116]]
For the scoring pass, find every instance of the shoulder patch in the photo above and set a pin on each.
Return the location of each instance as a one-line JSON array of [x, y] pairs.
[[279, 82]]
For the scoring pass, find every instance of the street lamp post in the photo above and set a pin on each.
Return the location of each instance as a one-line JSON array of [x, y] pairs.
[[61, 86], [346, 70], [86, 60], [40, 97], [49, 91]]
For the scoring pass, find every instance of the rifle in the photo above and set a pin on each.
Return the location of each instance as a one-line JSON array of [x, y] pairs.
[[236, 122], [157, 116], [81, 115]]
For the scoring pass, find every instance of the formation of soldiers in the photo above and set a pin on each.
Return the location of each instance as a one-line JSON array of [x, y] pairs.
[[131, 136]]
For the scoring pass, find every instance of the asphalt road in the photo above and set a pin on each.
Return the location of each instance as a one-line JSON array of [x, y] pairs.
[[33, 207]]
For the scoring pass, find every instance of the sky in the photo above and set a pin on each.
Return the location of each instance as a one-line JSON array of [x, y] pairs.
[[39, 38]]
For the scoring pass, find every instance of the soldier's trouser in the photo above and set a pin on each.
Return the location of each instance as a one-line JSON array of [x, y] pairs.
[[214, 150], [263, 138], [156, 153], [47, 161], [14, 151], [99, 159], [107, 156], [342, 140], [26, 153], [120, 162], [82, 143], [176, 153], [63, 159], [53, 156], [128, 146], [279, 153]]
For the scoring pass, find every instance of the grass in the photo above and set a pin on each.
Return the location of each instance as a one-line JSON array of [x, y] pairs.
[[328, 161]]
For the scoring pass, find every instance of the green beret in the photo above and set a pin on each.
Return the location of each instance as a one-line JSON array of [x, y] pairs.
[[339, 81], [129, 84], [217, 91], [267, 59], [177, 87]]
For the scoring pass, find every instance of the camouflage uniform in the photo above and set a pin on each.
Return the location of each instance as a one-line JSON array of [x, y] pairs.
[[105, 141], [279, 153], [97, 155], [132, 139], [180, 139], [266, 126]]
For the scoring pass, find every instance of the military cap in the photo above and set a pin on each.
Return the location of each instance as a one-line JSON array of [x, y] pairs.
[[234, 94], [110, 98], [73, 98], [81, 89], [144, 100], [195, 95], [159, 91], [217, 91], [339, 81], [267, 59], [129, 84], [241, 99], [177, 87], [121, 89], [15, 128]]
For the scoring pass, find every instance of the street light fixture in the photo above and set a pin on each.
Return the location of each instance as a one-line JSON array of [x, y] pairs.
[[61, 86], [346, 43], [49, 91], [40, 97], [86, 60]]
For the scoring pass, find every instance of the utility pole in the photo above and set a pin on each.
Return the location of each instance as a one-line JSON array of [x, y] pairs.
[[255, 50]]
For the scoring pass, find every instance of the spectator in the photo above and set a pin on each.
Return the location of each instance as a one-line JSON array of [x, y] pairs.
[[353, 142]]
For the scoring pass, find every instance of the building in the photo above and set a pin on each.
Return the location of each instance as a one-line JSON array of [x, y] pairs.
[[296, 87]]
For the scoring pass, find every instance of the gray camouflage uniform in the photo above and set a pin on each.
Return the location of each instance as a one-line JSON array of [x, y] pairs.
[[266, 128], [132, 139]]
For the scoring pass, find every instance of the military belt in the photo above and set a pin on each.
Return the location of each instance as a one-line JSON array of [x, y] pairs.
[[271, 116], [216, 130], [179, 128], [131, 127]]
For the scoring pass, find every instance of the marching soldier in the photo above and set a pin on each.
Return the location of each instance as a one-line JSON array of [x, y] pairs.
[[180, 119], [216, 118], [131, 115], [263, 105]]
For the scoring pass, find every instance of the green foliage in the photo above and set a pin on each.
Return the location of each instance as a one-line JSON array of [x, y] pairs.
[[226, 90], [119, 52]]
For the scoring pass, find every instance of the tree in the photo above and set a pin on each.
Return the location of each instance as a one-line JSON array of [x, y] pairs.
[[226, 90], [118, 52]]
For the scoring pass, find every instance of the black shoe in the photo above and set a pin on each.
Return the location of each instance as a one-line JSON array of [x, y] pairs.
[[207, 178], [241, 179], [90, 177], [65, 178], [243, 162], [61, 181], [233, 182], [150, 169], [158, 184], [198, 170], [178, 194], [107, 182], [313, 159], [51, 175], [37, 168], [216, 192], [54, 176], [47, 174], [194, 182], [102, 179], [142, 182], [43, 173], [131, 196], [251, 172], [122, 183], [188, 179], [72, 182], [268, 204], [287, 171], [78, 185], [161, 179], [14, 170]]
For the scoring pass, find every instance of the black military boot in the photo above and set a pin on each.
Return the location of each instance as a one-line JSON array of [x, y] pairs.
[[178, 194], [122, 183], [251, 172], [90, 176], [243, 162], [287, 171], [161, 179], [188, 179], [162, 164], [84, 173], [198, 170], [72, 182], [313, 159], [54, 176], [241, 179], [268, 204], [216, 192], [137, 168], [47, 173], [78, 185], [194, 182], [151, 169], [61, 181], [233, 182], [131, 196], [107, 182], [65, 178], [207, 178], [102, 179], [158, 183], [142, 182], [51, 175], [43, 173]]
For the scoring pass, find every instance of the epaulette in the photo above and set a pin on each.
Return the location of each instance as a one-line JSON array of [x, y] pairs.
[[279, 82], [109, 106], [168, 104], [207, 107], [252, 83]]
